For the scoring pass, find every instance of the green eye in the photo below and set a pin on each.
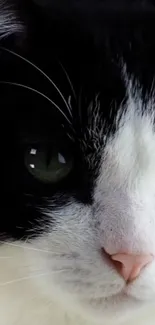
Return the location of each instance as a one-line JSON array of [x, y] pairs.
[[47, 168]]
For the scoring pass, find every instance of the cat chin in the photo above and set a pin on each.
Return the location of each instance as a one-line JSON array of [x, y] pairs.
[[118, 309]]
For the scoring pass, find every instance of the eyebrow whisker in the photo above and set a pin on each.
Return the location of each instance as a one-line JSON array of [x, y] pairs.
[[42, 72], [9, 83]]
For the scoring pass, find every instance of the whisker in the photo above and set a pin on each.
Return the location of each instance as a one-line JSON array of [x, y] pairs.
[[24, 247], [37, 92], [69, 81], [31, 277], [23, 279], [42, 72]]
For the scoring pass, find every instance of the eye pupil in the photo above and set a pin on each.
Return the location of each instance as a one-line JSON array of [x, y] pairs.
[[47, 166]]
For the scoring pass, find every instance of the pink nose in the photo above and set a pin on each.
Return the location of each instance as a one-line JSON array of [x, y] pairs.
[[130, 266]]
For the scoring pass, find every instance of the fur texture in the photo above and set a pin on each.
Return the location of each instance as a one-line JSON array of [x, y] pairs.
[[76, 82]]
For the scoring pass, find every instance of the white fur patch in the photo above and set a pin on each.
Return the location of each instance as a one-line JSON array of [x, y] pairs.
[[27, 302]]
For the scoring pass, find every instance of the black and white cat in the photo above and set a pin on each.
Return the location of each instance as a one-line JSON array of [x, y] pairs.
[[77, 216]]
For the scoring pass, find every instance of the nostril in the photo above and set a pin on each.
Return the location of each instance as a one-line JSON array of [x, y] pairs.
[[124, 271], [118, 265], [129, 266]]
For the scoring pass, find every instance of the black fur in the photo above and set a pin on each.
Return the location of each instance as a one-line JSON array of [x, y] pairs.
[[91, 39]]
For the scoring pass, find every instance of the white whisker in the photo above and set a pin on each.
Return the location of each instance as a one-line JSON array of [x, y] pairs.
[[69, 81], [69, 101], [23, 279], [37, 92], [31, 277], [42, 72], [31, 248], [25, 247]]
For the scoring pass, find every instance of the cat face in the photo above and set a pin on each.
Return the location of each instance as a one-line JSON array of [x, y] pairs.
[[78, 152]]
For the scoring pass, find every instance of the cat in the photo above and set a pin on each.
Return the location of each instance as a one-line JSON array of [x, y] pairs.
[[77, 98]]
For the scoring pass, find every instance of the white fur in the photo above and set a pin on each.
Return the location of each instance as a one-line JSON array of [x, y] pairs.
[[62, 278], [8, 21], [26, 301]]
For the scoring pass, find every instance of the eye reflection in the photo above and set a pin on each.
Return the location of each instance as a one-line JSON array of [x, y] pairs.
[[48, 166]]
